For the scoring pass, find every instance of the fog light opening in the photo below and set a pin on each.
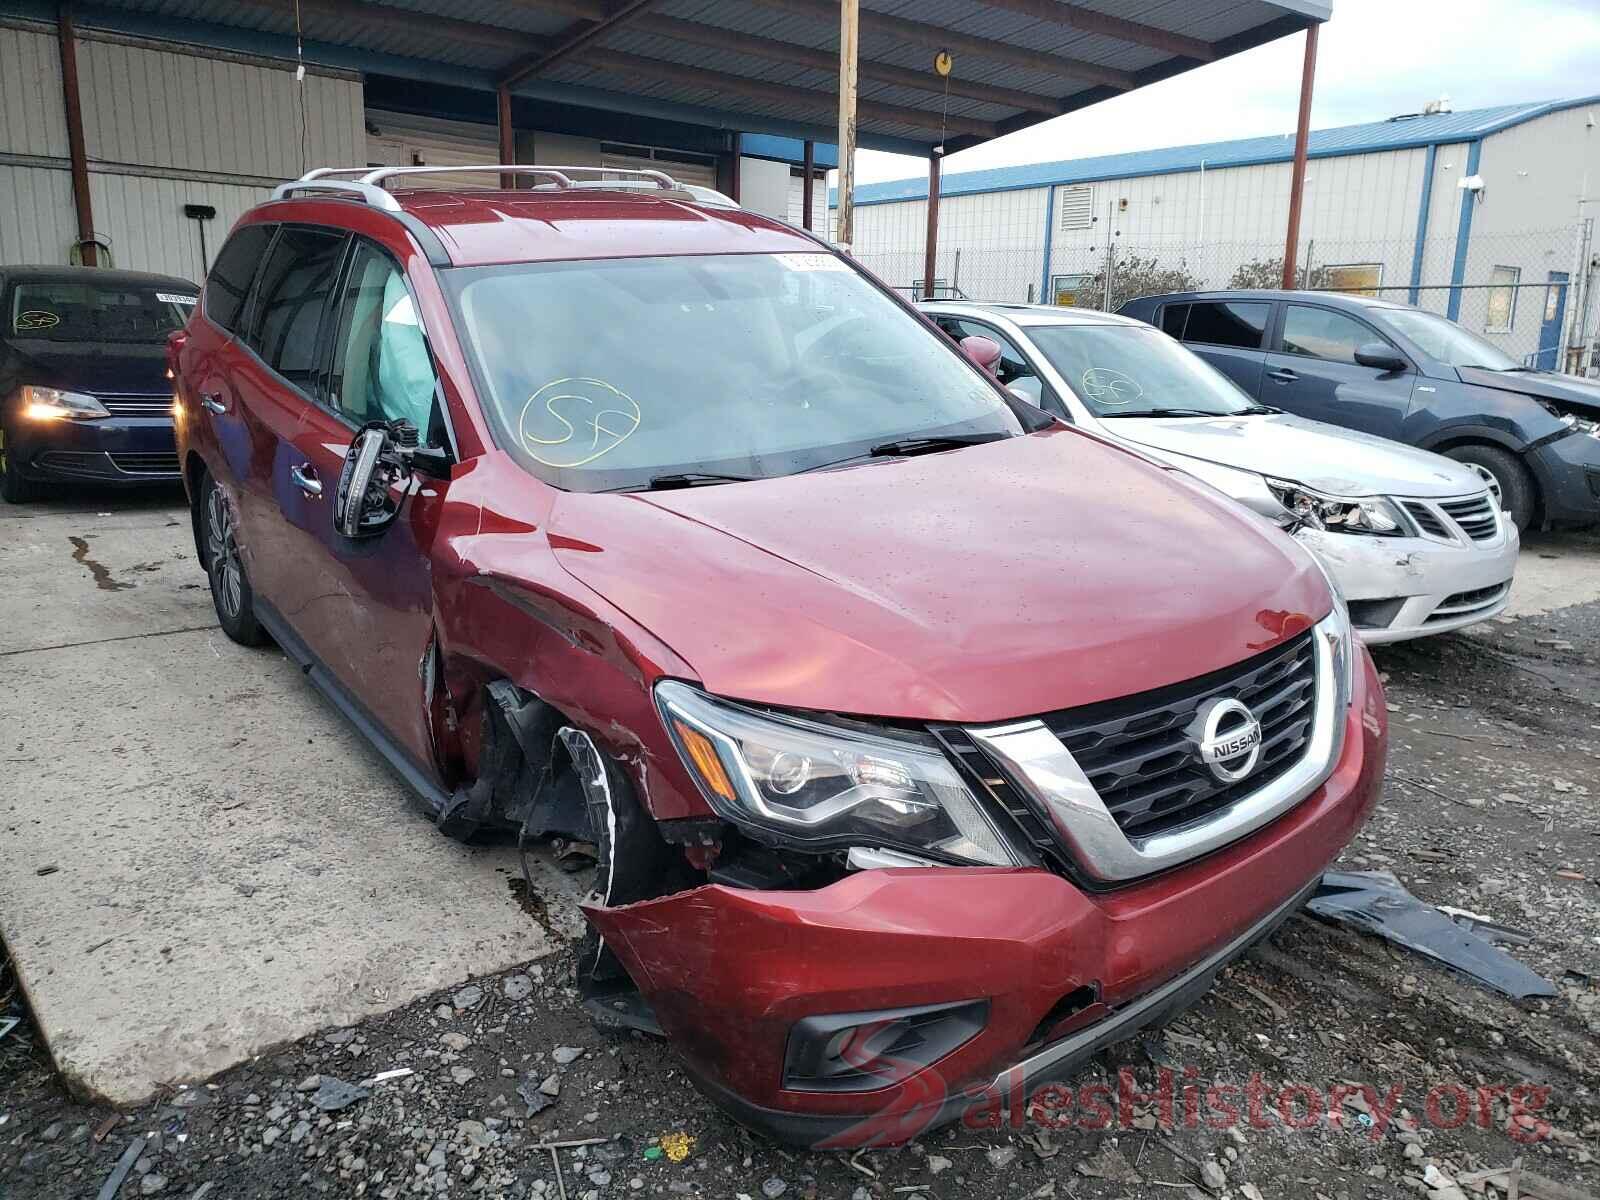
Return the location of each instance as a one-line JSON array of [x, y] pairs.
[[860, 1052]]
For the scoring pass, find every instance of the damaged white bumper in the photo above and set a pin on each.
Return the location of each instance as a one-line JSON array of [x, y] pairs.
[[1408, 587]]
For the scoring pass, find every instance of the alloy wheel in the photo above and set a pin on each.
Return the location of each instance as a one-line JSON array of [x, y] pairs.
[[223, 548]]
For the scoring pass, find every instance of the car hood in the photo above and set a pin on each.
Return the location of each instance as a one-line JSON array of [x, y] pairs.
[[976, 585], [1567, 392], [99, 368], [1339, 462]]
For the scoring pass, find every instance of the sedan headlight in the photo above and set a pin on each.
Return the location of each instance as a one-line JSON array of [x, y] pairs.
[[1338, 514], [815, 786], [53, 404]]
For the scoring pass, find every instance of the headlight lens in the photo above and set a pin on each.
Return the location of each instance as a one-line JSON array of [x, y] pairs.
[[1572, 420], [53, 404], [1335, 627], [818, 786], [1373, 515]]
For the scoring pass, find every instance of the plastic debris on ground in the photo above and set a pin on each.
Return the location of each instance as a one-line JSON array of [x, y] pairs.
[[1376, 902]]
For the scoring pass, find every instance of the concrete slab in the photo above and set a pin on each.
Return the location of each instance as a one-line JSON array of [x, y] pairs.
[[198, 858], [1555, 570]]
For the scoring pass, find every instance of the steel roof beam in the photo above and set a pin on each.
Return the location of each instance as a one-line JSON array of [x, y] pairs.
[[937, 38], [700, 34], [1058, 13], [425, 24], [573, 39], [776, 93]]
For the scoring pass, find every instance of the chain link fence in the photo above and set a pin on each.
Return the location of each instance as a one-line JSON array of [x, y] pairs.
[[1529, 293]]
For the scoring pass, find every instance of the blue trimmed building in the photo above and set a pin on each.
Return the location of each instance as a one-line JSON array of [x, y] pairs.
[[1385, 208]]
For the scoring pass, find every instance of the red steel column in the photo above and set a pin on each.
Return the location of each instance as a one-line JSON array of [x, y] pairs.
[[508, 136], [810, 172], [1301, 138], [930, 249], [75, 147]]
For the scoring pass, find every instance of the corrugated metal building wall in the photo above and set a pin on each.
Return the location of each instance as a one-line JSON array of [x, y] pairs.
[[163, 127]]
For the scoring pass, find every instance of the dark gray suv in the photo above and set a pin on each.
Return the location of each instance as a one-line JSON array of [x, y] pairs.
[[1406, 374]]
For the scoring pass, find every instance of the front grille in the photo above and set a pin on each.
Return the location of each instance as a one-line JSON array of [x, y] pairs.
[[137, 406], [1144, 767], [1476, 516], [1427, 520], [1464, 603], [146, 462]]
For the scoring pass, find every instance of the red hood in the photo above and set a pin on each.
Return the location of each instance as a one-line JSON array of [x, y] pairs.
[[977, 585]]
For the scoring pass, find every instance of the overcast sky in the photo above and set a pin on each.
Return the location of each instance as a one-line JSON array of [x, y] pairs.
[[1377, 58]]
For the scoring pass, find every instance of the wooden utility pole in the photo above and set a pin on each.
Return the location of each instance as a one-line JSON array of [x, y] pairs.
[[849, 47], [87, 250], [508, 136], [930, 245], [1302, 139]]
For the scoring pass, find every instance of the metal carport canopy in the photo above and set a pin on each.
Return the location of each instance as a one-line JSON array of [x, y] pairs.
[[758, 66]]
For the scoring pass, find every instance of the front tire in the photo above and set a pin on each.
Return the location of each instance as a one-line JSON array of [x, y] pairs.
[[14, 489], [1509, 482], [231, 594]]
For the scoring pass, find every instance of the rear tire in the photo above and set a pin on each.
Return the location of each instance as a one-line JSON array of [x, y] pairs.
[[1509, 482], [231, 594], [14, 489]]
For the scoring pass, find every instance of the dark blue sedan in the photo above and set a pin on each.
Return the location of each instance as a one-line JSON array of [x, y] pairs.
[[84, 393], [1409, 375]]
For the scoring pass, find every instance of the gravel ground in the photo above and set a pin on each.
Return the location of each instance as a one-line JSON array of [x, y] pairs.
[[1493, 805]]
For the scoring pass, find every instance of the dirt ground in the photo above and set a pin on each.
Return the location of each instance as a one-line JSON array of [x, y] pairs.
[[1492, 805]]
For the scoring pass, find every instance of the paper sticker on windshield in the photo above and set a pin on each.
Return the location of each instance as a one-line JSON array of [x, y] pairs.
[[1106, 386], [570, 422], [812, 262], [174, 298], [36, 318]]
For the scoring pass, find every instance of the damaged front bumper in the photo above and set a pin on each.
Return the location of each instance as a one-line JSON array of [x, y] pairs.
[[1014, 977], [1408, 587]]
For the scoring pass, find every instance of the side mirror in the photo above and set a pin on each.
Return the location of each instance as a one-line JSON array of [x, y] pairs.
[[1381, 356], [375, 467], [983, 351]]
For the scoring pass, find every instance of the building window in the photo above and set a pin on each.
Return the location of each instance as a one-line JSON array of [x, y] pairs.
[[1077, 207], [1360, 279], [1502, 308]]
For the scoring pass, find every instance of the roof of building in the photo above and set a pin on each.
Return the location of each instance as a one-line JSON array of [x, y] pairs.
[[1396, 133]]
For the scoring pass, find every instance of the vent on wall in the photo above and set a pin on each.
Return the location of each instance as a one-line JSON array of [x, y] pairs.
[[1077, 207]]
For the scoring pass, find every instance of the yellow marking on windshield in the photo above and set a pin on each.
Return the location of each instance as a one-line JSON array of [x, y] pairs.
[[590, 419]]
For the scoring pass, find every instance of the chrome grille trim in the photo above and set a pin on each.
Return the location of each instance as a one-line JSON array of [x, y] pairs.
[[1037, 762], [1456, 519]]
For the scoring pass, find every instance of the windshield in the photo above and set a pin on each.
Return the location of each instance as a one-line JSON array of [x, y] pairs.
[[604, 374], [81, 310], [1446, 341], [1132, 371]]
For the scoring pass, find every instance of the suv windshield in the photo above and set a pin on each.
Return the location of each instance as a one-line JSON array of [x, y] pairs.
[[84, 311], [605, 374], [1133, 371], [1446, 341]]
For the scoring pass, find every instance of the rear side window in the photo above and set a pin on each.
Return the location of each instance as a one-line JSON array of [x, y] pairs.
[[1226, 323], [286, 318], [229, 281]]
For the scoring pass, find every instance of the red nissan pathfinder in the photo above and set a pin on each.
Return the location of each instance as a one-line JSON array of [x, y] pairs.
[[924, 745]]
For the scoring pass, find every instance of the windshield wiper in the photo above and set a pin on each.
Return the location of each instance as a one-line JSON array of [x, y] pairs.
[[906, 447], [682, 479], [1166, 412], [1255, 410]]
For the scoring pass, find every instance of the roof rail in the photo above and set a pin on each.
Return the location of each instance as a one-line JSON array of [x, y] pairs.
[[369, 187]]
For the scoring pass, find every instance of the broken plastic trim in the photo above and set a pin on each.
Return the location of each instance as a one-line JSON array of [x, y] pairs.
[[1376, 902]]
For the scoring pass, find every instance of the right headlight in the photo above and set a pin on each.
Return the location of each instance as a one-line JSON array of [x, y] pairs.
[[1372, 515], [53, 404], [814, 786]]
